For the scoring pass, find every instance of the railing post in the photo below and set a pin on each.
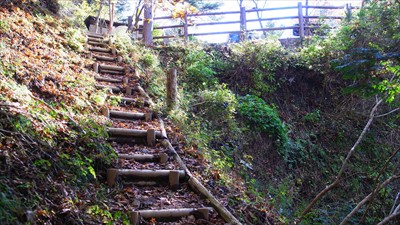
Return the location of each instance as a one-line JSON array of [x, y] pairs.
[[172, 89], [348, 12], [148, 23], [186, 28], [301, 20], [243, 26]]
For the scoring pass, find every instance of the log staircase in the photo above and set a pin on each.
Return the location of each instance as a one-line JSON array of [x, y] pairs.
[[147, 164]]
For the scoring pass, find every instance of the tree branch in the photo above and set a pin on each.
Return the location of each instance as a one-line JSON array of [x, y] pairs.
[[344, 164], [368, 197], [388, 218], [385, 114]]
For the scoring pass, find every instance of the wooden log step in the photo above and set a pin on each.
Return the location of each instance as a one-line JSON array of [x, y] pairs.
[[106, 79], [113, 72], [107, 58], [172, 175], [130, 116], [199, 213], [98, 43], [131, 100], [113, 51], [112, 131], [98, 39], [95, 35], [127, 140], [112, 88], [110, 67], [161, 158]]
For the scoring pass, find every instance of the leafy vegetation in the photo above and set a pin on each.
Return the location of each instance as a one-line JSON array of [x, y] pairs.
[[270, 125]]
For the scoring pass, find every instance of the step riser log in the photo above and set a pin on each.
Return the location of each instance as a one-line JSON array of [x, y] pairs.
[[103, 50], [201, 213], [112, 68], [106, 79], [98, 43], [107, 58], [111, 88], [131, 133], [130, 116], [161, 158], [112, 175]]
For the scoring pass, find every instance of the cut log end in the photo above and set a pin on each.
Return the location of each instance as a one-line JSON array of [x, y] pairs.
[[163, 158]]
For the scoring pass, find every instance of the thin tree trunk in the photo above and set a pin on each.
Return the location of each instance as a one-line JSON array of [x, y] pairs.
[[98, 17]]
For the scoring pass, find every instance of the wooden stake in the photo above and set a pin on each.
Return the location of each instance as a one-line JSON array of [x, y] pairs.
[[204, 213], [151, 137], [174, 179], [172, 89], [148, 117], [111, 176], [96, 67], [134, 217], [125, 80], [105, 112], [113, 51], [130, 90]]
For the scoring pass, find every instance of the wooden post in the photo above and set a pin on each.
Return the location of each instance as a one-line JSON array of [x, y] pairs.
[[96, 67], [111, 176], [301, 20], [172, 89], [148, 117], [134, 218], [174, 179], [148, 23], [151, 137], [243, 26], [105, 112], [348, 12], [186, 29]]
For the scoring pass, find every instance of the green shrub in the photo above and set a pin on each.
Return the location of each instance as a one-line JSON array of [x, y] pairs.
[[263, 118]]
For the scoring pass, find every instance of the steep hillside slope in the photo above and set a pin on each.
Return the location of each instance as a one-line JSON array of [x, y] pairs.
[[51, 137]]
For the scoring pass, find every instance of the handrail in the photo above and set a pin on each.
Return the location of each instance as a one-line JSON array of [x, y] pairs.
[[302, 24]]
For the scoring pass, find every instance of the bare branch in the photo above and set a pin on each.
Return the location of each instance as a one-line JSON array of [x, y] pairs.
[[385, 114], [389, 218], [369, 197], [345, 162]]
